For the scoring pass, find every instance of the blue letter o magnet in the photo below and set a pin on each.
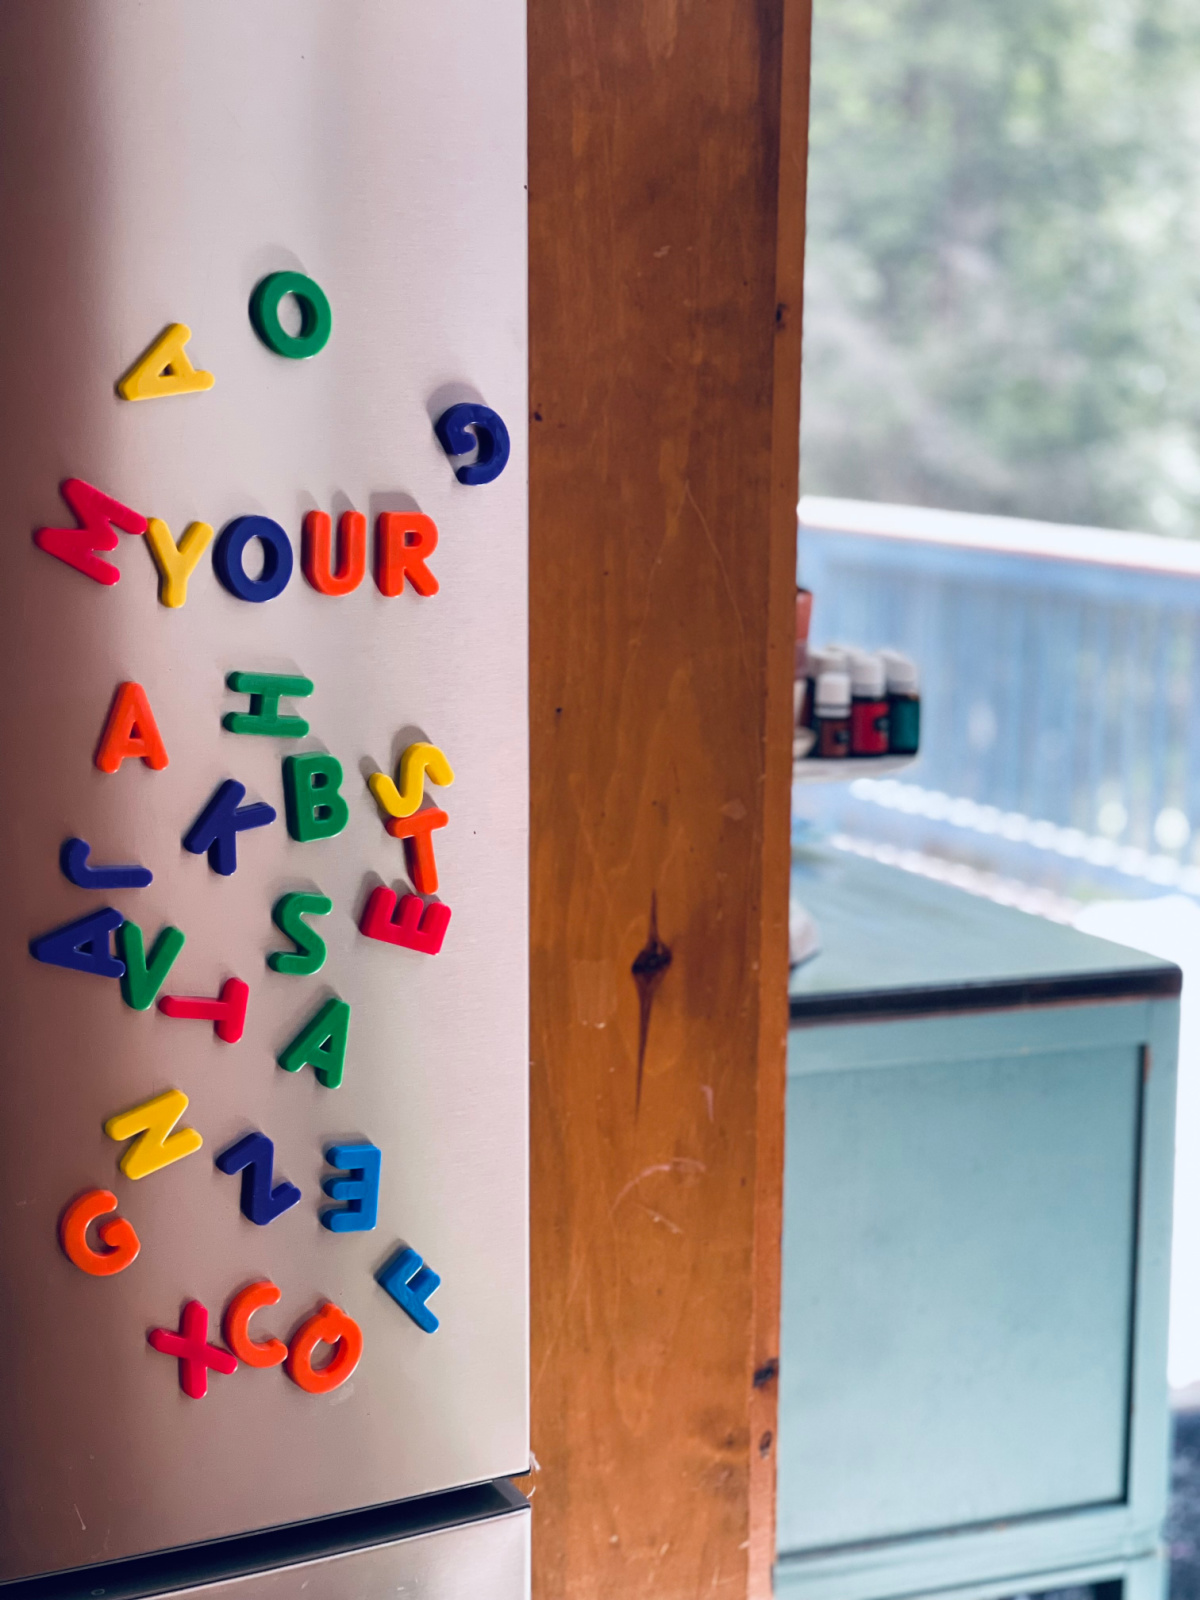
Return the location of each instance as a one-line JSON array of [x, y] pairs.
[[230, 552]]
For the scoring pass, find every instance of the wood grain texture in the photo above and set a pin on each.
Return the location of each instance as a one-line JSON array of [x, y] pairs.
[[667, 155]]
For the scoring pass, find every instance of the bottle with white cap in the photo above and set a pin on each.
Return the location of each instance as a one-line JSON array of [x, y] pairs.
[[904, 703], [869, 705], [830, 658], [831, 714]]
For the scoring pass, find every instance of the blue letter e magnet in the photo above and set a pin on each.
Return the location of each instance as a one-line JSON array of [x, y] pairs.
[[360, 1190]]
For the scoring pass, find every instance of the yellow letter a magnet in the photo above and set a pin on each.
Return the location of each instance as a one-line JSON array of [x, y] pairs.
[[164, 369]]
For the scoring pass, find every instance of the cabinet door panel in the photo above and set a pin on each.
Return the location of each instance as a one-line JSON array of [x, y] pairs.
[[958, 1267]]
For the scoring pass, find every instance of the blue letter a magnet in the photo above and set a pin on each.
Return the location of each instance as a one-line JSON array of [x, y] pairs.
[[83, 946]]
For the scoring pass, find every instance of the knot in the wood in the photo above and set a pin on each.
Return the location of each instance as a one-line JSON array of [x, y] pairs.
[[649, 967], [651, 961]]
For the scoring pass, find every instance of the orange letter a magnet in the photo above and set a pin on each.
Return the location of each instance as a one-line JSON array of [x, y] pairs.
[[130, 731]]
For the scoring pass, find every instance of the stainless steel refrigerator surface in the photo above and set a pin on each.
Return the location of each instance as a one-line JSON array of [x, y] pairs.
[[464, 1563], [481, 1559], [156, 162], [468, 1541]]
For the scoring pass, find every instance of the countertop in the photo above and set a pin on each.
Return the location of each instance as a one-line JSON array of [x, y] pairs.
[[895, 943]]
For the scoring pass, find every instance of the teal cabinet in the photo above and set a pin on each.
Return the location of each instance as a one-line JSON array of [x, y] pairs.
[[978, 1168]]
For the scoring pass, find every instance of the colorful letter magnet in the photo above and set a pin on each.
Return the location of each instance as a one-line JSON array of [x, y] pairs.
[[321, 1045], [404, 540], [130, 733], [464, 426], [176, 562], [216, 829], [316, 317], [227, 1012], [410, 1283], [121, 1242], [254, 1158], [315, 808], [191, 1348], [83, 945], [417, 832], [73, 859], [265, 690], [316, 555], [142, 979], [360, 1189], [156, 1145], [164, 369], [229, 559], [417, 762], [97, 515], [235, 1326], [406, 921], [288, 914], [332, 1326]]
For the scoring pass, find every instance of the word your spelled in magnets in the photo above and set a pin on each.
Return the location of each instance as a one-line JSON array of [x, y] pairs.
[[405, 921], [227, 1012], [360, 1189], [165, 369], [121, 1243], [288, 915], [463, 427], [254, 1158], [130, 732], [191, 1348], [410, 1283], [404, 543], [216, 829], [73, 859], [97, 515], [158, 1146]]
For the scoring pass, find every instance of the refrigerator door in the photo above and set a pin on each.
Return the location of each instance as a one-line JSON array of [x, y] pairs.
[[485, 1554], [464, 1563], [158, 162]]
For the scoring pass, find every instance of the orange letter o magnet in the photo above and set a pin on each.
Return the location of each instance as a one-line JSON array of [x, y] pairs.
[[332, 1326]]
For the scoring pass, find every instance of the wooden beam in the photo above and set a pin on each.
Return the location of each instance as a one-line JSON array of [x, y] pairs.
[[667, 159]]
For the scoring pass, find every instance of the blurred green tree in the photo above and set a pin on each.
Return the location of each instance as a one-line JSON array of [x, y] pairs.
[[1003, 283]]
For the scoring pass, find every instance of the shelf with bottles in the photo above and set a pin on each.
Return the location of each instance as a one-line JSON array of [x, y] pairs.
[[854, 710], [815, 769]]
